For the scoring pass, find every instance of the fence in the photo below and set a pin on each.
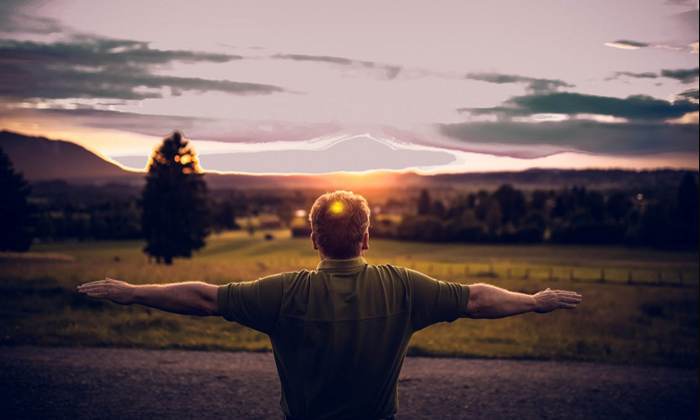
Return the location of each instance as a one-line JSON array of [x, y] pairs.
[[668, 277]]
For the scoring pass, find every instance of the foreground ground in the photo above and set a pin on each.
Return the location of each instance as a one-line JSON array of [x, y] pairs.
[[42, 382]]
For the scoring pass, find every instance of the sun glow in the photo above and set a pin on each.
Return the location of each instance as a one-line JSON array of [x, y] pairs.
[[336, 208]]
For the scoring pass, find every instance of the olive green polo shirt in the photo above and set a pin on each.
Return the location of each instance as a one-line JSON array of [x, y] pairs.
[[340, 332]]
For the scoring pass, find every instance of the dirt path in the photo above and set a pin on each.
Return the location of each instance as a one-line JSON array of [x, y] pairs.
[[38, 382]]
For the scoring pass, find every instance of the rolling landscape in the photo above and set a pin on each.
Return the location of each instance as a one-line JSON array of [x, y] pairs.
[[417, 210]]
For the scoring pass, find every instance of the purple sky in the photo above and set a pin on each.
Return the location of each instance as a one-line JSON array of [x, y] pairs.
[[428, 86]]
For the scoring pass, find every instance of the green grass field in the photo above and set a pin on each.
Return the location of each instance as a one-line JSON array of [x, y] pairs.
[[640, 306]]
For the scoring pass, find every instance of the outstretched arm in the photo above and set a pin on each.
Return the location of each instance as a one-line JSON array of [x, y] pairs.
[[189, 298], [487, 301]]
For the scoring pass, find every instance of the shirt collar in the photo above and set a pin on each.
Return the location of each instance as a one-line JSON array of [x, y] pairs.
[[341, 264]]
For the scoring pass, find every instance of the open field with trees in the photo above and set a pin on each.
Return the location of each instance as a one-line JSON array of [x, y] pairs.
[[640, 306]]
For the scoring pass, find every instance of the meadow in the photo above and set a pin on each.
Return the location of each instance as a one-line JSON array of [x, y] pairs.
[[640, 306]]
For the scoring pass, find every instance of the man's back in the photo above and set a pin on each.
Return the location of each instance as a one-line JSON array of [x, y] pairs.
[[340, 332]]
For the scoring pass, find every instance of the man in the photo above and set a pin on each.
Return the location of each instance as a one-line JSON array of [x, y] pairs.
[[340, 332]]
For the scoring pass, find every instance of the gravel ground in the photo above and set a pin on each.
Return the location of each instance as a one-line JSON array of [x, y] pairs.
[[41, 382]]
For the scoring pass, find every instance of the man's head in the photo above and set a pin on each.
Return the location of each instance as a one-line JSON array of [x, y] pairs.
[[339, 224]]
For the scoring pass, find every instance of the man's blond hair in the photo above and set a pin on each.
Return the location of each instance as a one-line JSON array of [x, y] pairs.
[[338, 220]]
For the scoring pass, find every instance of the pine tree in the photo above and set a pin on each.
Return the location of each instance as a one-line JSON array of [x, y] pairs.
[[15, 210], [174, 200]]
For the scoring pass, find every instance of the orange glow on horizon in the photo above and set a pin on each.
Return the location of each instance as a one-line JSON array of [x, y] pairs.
[[108, 144]]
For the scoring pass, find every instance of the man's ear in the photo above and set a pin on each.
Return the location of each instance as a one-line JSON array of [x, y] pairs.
[[365, 241], [313, 240]]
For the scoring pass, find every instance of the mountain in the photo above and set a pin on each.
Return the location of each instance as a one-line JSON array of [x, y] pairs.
[[41, 159]]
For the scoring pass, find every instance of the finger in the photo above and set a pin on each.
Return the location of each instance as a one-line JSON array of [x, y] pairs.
[[567, 305], [568, 292], [570, 299], [92, 289], [92, 283]]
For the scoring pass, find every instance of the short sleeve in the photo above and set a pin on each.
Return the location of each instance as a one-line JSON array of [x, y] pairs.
[[435, 301], [255, 304]]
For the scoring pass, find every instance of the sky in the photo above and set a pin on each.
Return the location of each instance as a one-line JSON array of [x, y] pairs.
[[317, 86]]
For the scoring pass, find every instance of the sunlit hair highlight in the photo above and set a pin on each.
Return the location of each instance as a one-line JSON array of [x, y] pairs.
[[338, 220]]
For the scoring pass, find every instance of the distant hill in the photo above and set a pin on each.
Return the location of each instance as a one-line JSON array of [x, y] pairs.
[[41, 159]]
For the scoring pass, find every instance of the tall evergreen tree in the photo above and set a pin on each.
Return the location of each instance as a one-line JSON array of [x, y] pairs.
[[687, 211], [174, 201], [15, 210]]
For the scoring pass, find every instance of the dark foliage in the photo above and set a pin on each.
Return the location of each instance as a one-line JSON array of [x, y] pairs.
[[658, 217], [174, 200], [15, 210]]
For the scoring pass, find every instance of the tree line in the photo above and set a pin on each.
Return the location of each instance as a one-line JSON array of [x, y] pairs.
[[175, 211], [576, 215]]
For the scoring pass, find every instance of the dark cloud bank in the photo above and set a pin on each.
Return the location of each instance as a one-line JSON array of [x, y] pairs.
[[534, 84], [587, 136], [646, 130], [94, 67], [638, 107]]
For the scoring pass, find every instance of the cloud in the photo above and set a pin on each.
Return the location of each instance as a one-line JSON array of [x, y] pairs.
[[643, 75], [626, 44], [682, 75], [94, 67], [691, 94], [694, 47], [689, 47], [389, 71], [534, 84], [14, 20], [576, 135], [359, 153], [637, 107], [687, 3], [688, 20]]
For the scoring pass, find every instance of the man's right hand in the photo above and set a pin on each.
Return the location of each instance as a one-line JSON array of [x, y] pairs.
[[548, 300]]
